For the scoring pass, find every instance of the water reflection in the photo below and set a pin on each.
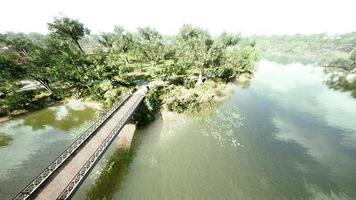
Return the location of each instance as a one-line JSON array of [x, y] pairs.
[[5, 140], [290, 138], [63, 117], [307, 114], [36, 139], [345, 82]]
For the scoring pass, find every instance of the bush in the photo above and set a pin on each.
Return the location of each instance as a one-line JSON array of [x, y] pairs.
[[224, 73], [152, 105], [182, 104], [18, 100], [189, 83]]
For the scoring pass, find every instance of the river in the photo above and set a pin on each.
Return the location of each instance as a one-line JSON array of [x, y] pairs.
[[34, 140], [283, 135]]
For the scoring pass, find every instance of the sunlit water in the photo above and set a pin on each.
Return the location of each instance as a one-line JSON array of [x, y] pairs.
[[283, 135], [36, 140]]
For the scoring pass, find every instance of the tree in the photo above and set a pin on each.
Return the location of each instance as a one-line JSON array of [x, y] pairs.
[[193, 44], [18, 42], [66, 28], [120, 41], [150, 45], [197, 49], [10, 72]]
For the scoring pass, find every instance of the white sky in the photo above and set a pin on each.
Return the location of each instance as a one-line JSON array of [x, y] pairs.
[[167, 16]]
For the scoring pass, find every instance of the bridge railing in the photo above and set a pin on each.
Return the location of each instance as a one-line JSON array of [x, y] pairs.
[[89, 164], [48, 171]]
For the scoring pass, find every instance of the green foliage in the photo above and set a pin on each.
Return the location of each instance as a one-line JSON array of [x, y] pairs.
[[340, 82], [18, 100], [168, 71], [180, 105], [221, 57], [192, 44], [149, 45], [193, 99], [225, 73], [66, 28], [18, 42], [10, 70], [113, 63], [152, 105]]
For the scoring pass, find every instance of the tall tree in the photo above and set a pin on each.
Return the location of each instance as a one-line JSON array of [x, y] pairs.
[[120, 41], [67, 28], [150, 44], [193, 46]]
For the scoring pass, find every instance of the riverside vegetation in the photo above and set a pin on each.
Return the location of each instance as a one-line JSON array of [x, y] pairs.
[[322, 49], [68, 62]]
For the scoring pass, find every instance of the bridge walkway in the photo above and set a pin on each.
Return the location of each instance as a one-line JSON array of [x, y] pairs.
[[67, 177]]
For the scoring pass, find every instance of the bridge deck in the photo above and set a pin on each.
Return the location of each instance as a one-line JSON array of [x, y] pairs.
[[60, 180]]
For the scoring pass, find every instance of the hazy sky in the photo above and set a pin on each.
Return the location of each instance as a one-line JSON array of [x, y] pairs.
[[245, 16]]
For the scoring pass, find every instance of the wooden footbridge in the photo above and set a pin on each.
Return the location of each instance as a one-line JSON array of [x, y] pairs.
[[65, 174]]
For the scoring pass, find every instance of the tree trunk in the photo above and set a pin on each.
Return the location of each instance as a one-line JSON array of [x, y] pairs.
[[127, 60], [200, 79], [76, 42]]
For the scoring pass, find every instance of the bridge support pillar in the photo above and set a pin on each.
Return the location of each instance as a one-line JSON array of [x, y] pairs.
[[125, 136]]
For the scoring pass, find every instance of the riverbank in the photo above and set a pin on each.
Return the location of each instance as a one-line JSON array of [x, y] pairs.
[[341, 78], [199, 98], [22, 112]]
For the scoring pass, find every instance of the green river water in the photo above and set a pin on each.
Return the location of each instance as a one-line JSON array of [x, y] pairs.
[[282, 135], [35, 140]]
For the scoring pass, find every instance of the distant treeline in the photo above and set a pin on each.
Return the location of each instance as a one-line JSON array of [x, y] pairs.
[[334, 50]]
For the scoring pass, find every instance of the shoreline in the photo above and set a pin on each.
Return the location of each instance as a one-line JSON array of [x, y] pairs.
[[225, 93], [19, 113]]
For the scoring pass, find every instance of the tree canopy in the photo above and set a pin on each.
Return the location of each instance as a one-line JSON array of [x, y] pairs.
[[70, 62]]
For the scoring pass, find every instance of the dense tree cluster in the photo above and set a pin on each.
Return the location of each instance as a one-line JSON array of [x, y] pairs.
[[68, 61]]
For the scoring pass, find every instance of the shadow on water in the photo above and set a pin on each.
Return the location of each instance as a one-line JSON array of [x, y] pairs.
[[112, 175], [114, 171]]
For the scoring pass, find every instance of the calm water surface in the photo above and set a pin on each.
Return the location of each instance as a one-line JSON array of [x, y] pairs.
[[283, 135], [35, 140]]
